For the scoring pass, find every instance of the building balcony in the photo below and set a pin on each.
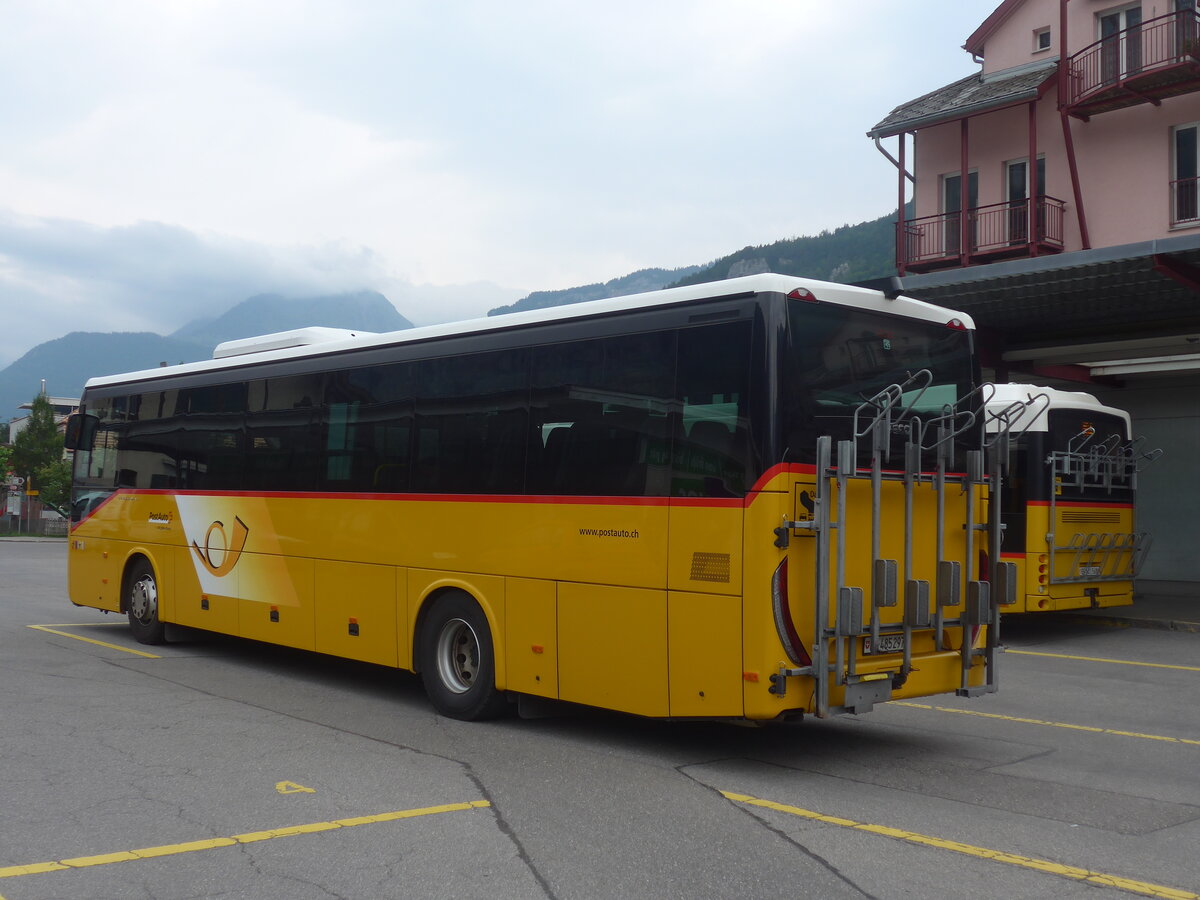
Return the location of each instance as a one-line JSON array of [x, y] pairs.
[[1185, 202], [988, 234], [1145, 63]]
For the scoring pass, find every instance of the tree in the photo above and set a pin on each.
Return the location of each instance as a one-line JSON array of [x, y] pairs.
[[38, 451], [53, 482]]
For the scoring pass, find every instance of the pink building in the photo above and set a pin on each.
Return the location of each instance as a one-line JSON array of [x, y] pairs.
[[1104, 98], [1055, 197]]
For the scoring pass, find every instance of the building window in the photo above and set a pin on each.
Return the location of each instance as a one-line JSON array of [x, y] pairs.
[[1041, 40], [1120, 30], [1185, 164], [1187, 30], [1017, 194], [953, 225]]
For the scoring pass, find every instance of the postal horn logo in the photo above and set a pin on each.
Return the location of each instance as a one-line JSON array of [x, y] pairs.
[[221, 556]]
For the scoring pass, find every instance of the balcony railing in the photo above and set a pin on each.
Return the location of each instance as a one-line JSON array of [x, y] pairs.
[[1185, 202], [1146, 62], [992, 232]]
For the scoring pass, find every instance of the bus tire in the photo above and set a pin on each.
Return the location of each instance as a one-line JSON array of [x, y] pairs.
[[141, 604], [458, 660]]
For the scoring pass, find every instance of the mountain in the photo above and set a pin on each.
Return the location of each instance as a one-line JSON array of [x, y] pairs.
[[634, 283], [852, 253], [67, 362]]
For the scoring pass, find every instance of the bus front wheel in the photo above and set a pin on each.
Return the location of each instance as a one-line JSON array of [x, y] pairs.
[[458, 661], [141, 603]]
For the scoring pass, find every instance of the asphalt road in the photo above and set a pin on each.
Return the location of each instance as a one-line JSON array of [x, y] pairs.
[[222, 768]]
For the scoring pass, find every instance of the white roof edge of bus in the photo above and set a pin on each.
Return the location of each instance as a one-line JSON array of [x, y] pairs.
[[1009, 393], [825, 291]]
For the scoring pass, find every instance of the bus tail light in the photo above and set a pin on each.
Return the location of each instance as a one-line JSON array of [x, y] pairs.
[[783, 618], [956, 325]]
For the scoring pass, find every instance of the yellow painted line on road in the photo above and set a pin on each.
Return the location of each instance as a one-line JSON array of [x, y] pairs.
[[53, 629], [1101, 659], [251, 837], [1094, 729], [1133, 886]]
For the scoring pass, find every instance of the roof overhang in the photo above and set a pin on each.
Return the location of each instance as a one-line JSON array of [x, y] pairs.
[[997, 91], [975, 43], [1116, 311]]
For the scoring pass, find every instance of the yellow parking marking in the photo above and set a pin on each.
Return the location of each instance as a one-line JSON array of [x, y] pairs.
[[1144, 888], [1094, 729], [53, 629], [1100, 659], [290, 787], [247, 838]]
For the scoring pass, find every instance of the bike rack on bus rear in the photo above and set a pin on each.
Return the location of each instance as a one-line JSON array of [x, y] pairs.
[[840, 606], [1108, 466]]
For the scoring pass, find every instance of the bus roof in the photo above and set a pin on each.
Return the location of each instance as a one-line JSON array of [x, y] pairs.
[[1010, 393], [321, 341]]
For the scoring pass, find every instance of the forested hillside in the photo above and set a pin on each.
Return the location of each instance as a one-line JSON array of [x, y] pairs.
[[847, 254], [634, 283]]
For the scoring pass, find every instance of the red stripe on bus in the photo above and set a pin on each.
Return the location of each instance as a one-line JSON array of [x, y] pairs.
[[418, 498], [547, 499]]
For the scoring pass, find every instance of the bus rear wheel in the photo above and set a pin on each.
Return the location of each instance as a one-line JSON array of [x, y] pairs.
[[458, 661], [141, 604]]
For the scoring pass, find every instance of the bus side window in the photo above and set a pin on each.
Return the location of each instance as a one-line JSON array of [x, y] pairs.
[[472, 417], [602, 412], [367, 419], [712, 451], [282, 451]]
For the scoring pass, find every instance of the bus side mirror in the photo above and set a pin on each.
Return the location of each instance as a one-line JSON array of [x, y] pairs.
[[81, 431]]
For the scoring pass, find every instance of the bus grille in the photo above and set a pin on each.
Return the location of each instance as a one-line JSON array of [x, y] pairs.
[[1082, 516]]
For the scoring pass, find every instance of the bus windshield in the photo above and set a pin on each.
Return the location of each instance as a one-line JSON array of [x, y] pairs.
[[841, 358]]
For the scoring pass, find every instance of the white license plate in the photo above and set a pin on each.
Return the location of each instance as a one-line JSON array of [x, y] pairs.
[[888, 643], [1089, 571]]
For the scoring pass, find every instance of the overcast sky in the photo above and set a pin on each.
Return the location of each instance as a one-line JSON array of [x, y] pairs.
[[162, 161]]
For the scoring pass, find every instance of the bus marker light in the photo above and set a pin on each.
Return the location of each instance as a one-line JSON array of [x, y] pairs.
[[538, 648], [802, 294], [274, 613], [750, 676], [956, 325], [353, 628]]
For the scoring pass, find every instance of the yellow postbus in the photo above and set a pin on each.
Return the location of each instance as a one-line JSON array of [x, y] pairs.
[[756, 499], [1068, 499]]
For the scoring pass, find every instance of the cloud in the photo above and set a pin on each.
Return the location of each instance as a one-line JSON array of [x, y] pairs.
[[166, 157], [61, 275]]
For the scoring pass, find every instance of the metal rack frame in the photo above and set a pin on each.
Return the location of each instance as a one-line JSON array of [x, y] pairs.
[[840, 607]]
